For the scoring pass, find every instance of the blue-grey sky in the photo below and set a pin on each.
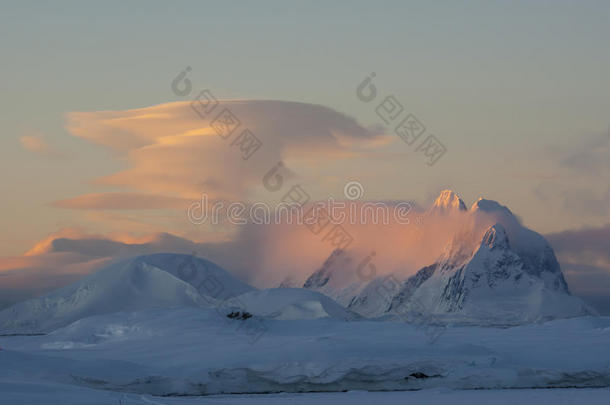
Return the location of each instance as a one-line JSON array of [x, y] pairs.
[[517, 91]]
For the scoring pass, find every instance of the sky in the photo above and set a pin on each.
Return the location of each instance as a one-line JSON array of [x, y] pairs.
[[96, 142]]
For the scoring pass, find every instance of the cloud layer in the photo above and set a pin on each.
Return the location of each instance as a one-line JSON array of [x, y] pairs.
[[576, 183], [266, 255], [36, 143], [585, 258], [172, 151]]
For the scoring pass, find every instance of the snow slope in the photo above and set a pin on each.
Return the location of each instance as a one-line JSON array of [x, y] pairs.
[[292, 303], [207, 277], [155, 281], [197, 351], [330, 280]]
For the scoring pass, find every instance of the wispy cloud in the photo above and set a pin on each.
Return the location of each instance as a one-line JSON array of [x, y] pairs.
[[584, 255], [589, 155], [67, 255], [122, 201], [36, 143], [265, 255], [579, 166], [172, 151]]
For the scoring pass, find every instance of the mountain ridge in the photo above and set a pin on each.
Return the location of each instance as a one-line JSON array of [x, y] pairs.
[[510, 270]]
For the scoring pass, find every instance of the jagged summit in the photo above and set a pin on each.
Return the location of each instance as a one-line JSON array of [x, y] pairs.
[[486, 205], [448, 201], [493, 285], [495, 237], [491, 270]]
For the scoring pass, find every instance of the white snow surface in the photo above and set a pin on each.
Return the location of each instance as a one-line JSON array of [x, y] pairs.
[[23, 393], [199, 351], [291, 304], [153, 281]]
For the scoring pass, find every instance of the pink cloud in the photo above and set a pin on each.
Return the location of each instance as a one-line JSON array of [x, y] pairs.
[[171, 150], [123, 201]]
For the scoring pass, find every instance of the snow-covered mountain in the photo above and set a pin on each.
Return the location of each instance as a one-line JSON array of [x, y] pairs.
[[332, 281], [164, 281], [152, 281], [208, 278], [493, 284], [447, 202], [493, 271], [292, 303]]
